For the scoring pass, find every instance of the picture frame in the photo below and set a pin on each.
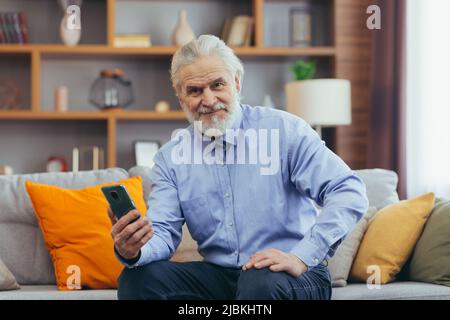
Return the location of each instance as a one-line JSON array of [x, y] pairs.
[[144, 151], [237, 31]]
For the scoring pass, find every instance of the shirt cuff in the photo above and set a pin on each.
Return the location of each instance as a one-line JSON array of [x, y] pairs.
[[311, 254], [154, 250], [129, 263]]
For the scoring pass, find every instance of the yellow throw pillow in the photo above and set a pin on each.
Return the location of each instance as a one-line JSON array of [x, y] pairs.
[[76, 231], [390, 239]]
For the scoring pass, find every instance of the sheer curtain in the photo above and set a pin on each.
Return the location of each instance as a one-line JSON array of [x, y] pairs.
[[428, 97]]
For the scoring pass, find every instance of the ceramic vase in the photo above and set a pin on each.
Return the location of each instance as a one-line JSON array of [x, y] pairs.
[[70, 37], [183, 32]]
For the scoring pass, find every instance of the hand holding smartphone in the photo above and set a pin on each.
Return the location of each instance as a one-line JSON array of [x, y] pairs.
[[132, 232]]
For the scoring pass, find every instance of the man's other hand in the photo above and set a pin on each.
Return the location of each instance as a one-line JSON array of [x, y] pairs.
[[276, 261], [129, 237]]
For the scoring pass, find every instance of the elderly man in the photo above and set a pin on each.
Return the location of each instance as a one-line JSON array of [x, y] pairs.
[[258, 231]]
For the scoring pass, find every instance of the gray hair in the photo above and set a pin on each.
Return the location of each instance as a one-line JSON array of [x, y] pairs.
[[206, 45]]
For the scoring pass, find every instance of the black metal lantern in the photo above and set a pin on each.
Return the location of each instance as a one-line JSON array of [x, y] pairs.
[[111, 90]]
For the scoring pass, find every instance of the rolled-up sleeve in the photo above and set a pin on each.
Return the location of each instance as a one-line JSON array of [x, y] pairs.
[[165, 213], [321, 175]]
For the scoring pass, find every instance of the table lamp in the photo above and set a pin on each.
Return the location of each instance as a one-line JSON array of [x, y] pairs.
[[320, 102]]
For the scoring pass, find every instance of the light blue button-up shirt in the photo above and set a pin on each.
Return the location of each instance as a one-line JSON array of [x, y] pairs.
[[234, 209]]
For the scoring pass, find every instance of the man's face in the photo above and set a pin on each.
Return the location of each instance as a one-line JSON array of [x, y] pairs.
[[209, 94]]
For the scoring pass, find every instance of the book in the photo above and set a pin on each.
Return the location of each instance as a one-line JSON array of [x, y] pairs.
[[6, 27], [23, 27], [132, 41], [16, 27], [2, 31], [13, 27]]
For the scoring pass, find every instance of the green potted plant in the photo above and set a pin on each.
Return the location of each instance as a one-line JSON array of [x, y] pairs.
[[303, 70]]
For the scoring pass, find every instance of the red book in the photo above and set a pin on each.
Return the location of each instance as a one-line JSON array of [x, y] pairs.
[[2, 32], [23, 27]]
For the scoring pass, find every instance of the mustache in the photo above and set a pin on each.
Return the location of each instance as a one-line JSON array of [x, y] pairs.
[[216, 107]]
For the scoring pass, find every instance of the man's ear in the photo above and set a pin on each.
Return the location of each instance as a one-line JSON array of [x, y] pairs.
[[237, 82]]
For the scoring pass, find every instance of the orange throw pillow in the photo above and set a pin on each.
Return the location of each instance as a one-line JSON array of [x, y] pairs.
[[76, 231]]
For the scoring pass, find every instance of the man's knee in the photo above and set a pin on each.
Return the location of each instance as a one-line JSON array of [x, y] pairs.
[[141, 282], [264, 284], [261, 284]]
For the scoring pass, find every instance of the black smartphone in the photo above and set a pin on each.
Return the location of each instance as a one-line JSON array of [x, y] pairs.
[[119, 200]]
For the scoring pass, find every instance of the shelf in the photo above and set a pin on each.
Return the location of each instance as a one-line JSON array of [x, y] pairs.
[[311, 51], [91, 115], [159, 50]]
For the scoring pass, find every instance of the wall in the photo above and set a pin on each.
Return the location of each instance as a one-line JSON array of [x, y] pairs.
[[353, 62]]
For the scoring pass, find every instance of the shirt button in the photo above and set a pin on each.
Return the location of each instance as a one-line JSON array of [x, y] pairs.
[[230, 224], [316, 260], [226, 195]]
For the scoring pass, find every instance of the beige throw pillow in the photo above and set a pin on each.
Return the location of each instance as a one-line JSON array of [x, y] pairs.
[[7, 279], [340, 264]]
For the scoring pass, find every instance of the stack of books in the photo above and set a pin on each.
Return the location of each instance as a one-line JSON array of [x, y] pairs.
[[13, 27], [132, 41]]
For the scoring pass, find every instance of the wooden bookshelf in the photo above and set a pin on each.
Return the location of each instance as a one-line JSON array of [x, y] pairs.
[[340, 11]]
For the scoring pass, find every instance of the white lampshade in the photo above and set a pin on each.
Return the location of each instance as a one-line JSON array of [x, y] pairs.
[[320, 102]]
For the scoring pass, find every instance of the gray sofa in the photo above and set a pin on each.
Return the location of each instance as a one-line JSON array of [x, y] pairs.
[[23, 251]]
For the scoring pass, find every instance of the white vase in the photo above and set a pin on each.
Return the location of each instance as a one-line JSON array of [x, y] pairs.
[[268, 102], [183, 32], [69, 37]]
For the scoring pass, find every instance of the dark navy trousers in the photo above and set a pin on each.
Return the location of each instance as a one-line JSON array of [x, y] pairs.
[[166, 280]]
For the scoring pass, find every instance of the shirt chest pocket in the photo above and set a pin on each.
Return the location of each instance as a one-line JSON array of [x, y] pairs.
[[197, 213]]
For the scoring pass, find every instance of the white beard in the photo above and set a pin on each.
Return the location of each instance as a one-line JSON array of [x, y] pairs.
[[217, 126]]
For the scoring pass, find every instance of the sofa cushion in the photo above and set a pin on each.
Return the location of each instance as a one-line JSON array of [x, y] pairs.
[[77, 229], [341, 263], [407, 290], [22, 246], [381, 186], [430, 261], [50, 292], [395, 290], [390, 238], [144, 173], [7, 279]]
